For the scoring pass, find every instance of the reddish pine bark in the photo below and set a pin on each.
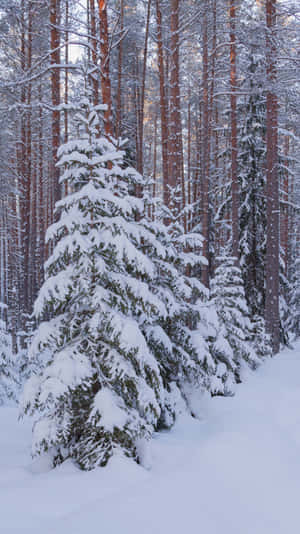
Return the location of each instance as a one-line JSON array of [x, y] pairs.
[[233, 119], [272, 252], [175, 133], [55, 92], [94, 76], [120, 71], [104, 63], [41, 206], [66, 114]]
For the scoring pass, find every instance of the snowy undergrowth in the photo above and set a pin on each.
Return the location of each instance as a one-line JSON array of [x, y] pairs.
[[235, 470]]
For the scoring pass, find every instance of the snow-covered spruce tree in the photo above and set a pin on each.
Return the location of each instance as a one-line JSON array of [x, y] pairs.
[[8, 378], [252, 154], [99, 389], [119, 347], [183, 351], [233, 345]]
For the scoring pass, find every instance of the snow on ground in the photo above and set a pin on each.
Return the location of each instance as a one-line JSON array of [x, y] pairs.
[[236, 471]]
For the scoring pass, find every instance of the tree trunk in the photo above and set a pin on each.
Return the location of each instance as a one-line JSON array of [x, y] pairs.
[[163, 105], [205, 155], [140, 159], [120, 69], [94, 75], [272, 253], [104, 63], [175, 135], [284, 209], [233, 120], [55, 92]]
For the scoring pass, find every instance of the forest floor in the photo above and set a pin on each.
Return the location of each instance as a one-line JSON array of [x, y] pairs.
[[236, 471]]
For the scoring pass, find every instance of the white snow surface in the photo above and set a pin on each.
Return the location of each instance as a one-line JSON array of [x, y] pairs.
[[235, 470]]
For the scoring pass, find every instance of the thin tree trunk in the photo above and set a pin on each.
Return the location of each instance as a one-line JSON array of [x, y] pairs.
[[175, 138], [94, 75], [41, 209], [55, 92], [189, 152], [205, 156], [120, 71], [154, 163], [104, 63], [284, 222], [140, 163], [66, 113], [233, 120], [30, 214], [23, 182], [163, 105], [272, 252]]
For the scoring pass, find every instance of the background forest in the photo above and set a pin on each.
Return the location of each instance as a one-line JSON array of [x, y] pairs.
[[167, 134]]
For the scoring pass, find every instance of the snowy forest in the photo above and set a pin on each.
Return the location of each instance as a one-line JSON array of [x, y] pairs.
[[149, 212]]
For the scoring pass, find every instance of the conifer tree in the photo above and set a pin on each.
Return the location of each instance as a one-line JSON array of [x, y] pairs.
[[118, 348], [252, 213], [190, 323], [100, 387], [232, 347], [8, 375]]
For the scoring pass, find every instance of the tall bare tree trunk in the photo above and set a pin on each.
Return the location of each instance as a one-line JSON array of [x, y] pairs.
[[22, 175], [120, 69], [30, 213], [94, 75], [175, 135], [66, 113], [55, 92], [42, 212], [163, 105], [205, 219], [284, 208], [272, 253], [233, 120], [104, 63], [189, 155], [140, 158]]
